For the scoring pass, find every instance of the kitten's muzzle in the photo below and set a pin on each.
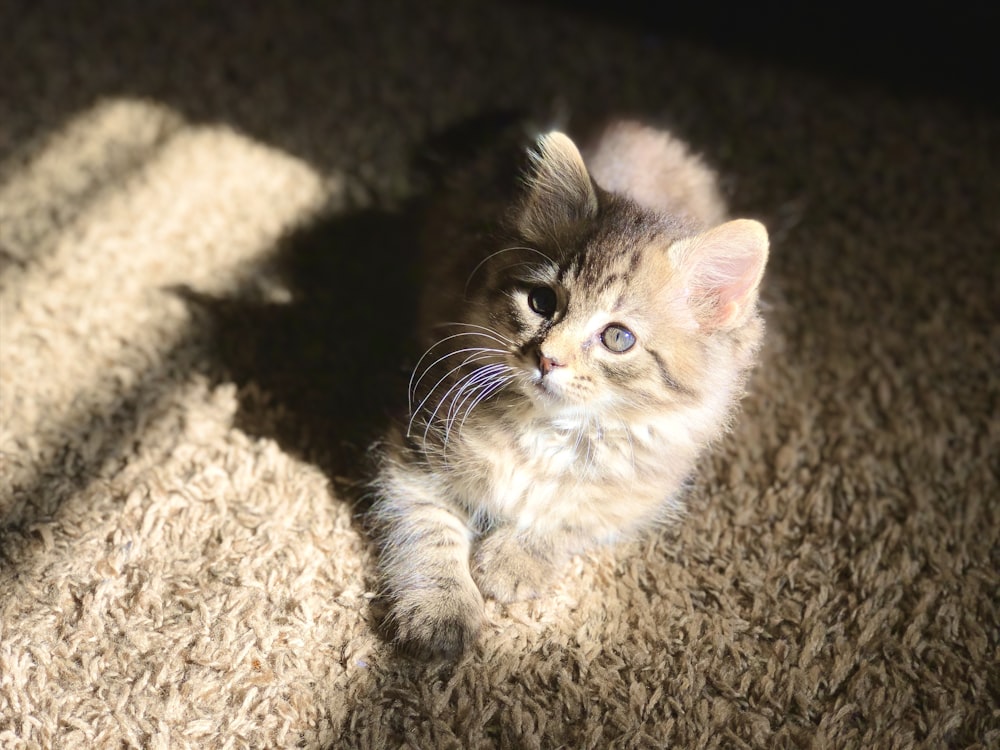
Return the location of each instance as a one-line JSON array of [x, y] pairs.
[[533, 355], [547, 364]]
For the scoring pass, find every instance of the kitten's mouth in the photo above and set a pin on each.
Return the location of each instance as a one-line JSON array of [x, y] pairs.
[[542, 388], [545, 389]]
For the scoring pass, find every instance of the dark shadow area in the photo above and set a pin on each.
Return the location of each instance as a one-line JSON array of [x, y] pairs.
[[277, 71], [322, 373], [927, 49]]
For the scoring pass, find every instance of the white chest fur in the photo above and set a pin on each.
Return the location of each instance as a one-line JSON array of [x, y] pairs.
[[597, 480]]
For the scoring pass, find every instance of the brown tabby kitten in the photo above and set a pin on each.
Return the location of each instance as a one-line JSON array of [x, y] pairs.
[[591, 343]]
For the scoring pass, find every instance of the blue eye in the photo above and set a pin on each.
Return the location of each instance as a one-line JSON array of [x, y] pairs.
[[543, 301], [617, 338]]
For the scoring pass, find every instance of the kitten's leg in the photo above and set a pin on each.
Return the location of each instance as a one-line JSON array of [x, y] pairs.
[[510, 566], [437, 609]]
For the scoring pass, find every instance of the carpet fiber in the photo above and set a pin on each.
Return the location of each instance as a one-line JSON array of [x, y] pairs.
[[205, 262]]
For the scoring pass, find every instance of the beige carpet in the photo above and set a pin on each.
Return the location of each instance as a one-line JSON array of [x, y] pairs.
[[203, 307]]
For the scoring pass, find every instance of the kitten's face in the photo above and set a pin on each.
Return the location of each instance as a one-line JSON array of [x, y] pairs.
[[596, 321], [594, 308]]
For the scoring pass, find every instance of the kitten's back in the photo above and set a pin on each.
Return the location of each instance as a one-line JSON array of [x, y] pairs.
[[655, 170]]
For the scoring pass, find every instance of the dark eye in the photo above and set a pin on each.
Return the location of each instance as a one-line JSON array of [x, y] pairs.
[[618, 338], [543, 301]]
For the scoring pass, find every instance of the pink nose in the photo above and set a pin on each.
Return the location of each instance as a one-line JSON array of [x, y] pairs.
[[547, 364]]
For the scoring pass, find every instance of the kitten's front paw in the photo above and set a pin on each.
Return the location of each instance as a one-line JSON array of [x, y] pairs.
[[436, 624], [506, 570]]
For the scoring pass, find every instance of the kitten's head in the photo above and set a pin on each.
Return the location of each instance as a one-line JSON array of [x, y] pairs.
[[607, 307]]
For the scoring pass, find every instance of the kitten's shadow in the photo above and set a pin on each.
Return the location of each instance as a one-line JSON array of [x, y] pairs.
[[321, 372]]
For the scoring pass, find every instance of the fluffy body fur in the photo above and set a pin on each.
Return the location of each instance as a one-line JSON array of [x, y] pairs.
[[584, 344]]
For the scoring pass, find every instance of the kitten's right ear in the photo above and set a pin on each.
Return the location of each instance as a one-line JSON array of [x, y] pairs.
[[560, 190], [722, 269]]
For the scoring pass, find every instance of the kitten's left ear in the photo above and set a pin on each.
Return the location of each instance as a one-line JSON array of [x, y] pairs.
[[560, 190], [723, 268]]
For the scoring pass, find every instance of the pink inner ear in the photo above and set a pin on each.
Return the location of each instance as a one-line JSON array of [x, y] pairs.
[[734, 294], [727, 265]]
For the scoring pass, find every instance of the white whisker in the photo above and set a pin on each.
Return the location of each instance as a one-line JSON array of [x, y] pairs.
[[579, 437], [486, 332], [459, 384], [435, 345], [489, 257], [468, 391], [589, 443], [471, 358], [414, 386], [631, 445], [495, 387], [481, 374]]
